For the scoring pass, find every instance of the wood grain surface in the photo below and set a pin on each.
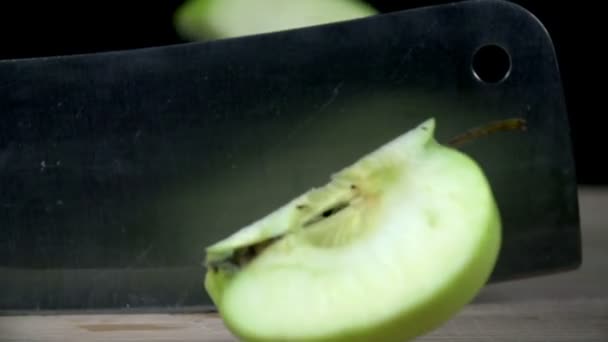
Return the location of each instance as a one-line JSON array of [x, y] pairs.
[[570, 306], [546, 321]]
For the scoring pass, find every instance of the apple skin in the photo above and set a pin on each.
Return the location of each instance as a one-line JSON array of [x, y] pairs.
[[430, 285]]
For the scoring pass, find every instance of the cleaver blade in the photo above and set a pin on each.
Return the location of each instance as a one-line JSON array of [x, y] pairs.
[[117, 169]]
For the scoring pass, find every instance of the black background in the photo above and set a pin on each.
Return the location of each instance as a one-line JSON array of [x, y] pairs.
[[45, 28]]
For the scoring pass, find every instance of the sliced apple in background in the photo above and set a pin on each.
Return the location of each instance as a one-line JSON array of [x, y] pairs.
[[215, 19], [389, 249]]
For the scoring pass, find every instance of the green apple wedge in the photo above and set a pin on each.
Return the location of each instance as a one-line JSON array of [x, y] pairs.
[[216, 19], [389, 249]]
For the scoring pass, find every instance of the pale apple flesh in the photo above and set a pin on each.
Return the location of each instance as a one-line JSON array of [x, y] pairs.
[[389, 249], [213, 19]]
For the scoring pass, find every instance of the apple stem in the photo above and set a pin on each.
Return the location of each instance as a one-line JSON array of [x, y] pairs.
[[487, 129]]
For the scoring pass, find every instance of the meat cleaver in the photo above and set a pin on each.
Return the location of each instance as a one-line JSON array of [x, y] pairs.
[[118, 168]]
